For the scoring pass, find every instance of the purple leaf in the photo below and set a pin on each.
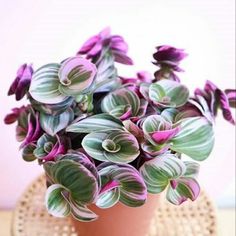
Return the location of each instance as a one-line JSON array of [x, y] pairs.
[[231, 95], [20, 85], [162, 136]]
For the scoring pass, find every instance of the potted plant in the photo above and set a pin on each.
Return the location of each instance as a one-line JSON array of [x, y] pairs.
[[110, 144]]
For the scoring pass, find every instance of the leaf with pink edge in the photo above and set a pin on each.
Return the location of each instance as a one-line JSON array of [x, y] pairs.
[[53, 124], [195, 138], [128, 182], [160, 170], [187, 188]]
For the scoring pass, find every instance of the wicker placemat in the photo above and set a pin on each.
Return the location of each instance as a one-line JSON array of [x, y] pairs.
[[190, 219]]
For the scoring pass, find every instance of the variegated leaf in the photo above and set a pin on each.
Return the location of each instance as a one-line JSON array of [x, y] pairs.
[[133, 129], [75, 178], [158, 130], [195, 138], [106, 78], [156, 93], [52, 109], [76, 75], [178, 93], [44, 85], [96, 123], [158, 171], [108, 199], [28, 152], [192, 169], [82, 159], [186, 188], [116, 146], [56, 204], [132, 189], [168, 93], [53, 124], [81, 212], [121, 98], [169, 114], [154, 150]]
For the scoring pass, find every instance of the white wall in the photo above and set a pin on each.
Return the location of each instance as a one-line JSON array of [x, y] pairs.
[[42, 31]]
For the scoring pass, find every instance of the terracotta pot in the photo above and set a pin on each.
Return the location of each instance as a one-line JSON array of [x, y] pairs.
[[120, 220]]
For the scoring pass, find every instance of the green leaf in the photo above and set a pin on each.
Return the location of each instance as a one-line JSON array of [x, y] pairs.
[[52, 109], [156, 92], [195, 138], [192, 169], [28, 152], [76, 75], [160, 170], [177, 92], [56, 204], [116, 146], [108, 199], [131, 187], [158, 130], [53, 124], [121, 98], [169, 114], [166, 93], [96, 123], [44, 85], [81, 212], [106, 77], [75, 178], [186, 188]]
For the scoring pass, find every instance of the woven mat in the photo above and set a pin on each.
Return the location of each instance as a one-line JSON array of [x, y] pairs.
[[190, 219]]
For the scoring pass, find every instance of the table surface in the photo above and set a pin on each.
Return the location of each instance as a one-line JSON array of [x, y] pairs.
[[226, 220]]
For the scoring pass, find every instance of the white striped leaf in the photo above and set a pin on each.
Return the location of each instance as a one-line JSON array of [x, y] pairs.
[[82, 159], [115, 146], [81, 212], [52, 109], [129, 184], [122, 111], [133, 129], [154, 150], [160, 170], [76, 178], [100, 122], [44, 85], [168, 93], [28, 152], [192, 169], [76, 75], [186, 188], [121, 98], [195, 138], [158, 130], [108, 199], [106, 78], [170, 114], [144, 90], [178, 93], [56, 204], [53, 124]]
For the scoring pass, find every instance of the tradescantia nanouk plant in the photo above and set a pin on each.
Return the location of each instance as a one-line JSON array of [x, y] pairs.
[[103, 138]]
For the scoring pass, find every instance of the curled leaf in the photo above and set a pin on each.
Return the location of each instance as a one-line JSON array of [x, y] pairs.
[[76, 74], [195, 138], [53, 124], [116, 146], [129, 187], [96, 123], [44, 85]]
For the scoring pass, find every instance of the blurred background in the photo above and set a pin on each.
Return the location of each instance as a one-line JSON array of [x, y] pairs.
[[43, 31]]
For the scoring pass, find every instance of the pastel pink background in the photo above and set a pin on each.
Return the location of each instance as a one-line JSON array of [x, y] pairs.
[[43, 31]]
